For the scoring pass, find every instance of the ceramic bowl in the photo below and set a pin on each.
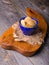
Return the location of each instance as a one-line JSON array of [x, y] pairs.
[[28, 31]]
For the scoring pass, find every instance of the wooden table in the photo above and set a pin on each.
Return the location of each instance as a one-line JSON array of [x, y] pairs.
[[10, 12]]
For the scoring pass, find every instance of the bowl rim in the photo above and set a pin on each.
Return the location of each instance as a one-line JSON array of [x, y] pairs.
[[22, 18]]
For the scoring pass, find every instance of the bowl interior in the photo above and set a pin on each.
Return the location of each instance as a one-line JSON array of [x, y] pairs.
[[28, 27]]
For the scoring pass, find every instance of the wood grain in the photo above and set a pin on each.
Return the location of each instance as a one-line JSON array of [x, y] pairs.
[[10, 14]]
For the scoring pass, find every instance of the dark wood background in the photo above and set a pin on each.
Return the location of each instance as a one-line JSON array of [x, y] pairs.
[[10, 12]]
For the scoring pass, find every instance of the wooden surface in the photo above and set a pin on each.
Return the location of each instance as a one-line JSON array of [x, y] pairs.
[[10, 12]]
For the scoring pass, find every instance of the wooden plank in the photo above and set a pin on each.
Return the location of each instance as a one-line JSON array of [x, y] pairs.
[[5, 57], [9, 13], [22, 60]]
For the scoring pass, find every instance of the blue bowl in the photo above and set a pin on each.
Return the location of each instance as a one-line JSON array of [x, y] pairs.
[[28, 31]]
